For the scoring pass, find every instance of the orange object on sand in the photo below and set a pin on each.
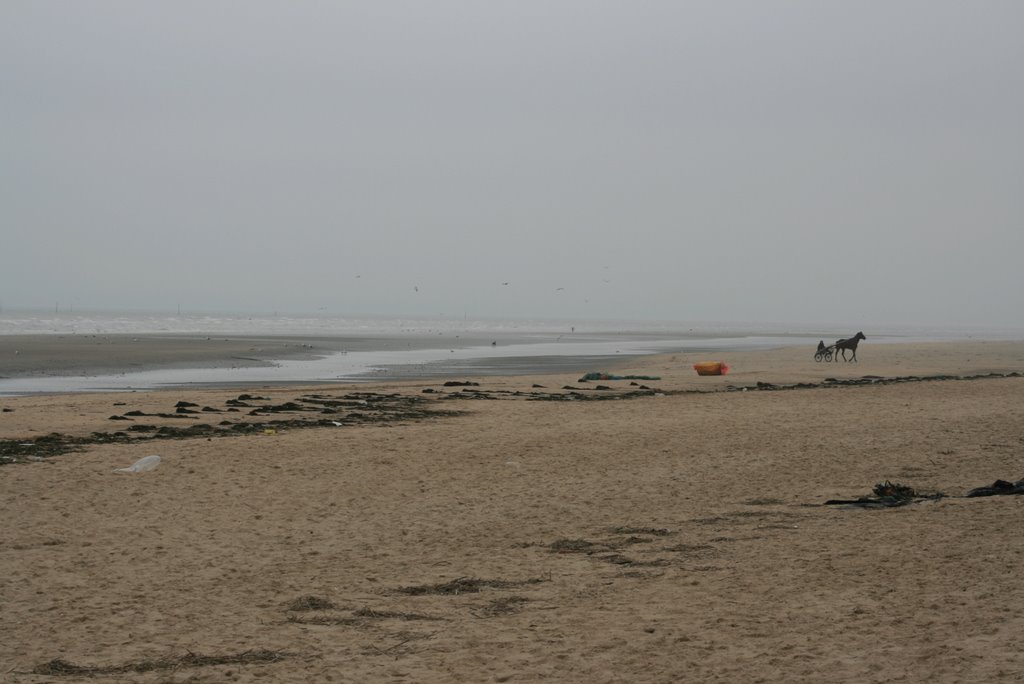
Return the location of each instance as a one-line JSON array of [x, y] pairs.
[[711, 368]]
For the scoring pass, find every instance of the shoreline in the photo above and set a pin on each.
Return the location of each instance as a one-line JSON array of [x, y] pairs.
[[776, 366], [59, 363], [31, 364]]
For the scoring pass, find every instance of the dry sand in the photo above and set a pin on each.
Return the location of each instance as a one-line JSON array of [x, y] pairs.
[[665, 538]]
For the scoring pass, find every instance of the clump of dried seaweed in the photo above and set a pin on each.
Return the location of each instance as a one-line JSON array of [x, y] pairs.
[[894, 490], [887, 495]]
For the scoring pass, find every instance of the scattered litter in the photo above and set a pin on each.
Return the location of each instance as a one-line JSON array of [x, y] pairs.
[[142, 465]]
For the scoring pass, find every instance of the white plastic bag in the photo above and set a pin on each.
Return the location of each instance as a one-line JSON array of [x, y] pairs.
[[142, 465]]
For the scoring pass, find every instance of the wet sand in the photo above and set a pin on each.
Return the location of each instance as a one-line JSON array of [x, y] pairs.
[[33, 355], [90, 355], [56, 363], [537, 534]]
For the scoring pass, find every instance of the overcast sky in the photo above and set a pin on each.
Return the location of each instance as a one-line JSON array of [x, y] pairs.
[[822, 162]]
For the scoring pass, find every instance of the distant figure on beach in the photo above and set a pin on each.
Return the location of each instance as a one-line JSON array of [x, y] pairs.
[[849, 343], [823, 353]]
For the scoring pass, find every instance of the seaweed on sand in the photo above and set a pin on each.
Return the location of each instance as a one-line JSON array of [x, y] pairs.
[[656, 531], [575, 546], [887, 495], [62, 668], [997, 488], [464, 585], [505, 605], [310, 602], [22, 450], [370, 613], [373, 408]]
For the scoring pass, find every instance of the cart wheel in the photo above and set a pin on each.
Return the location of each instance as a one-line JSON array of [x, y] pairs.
[[828, 355], [818, 356]]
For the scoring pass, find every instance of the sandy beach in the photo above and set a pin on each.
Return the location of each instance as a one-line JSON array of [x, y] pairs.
[[526, 528]]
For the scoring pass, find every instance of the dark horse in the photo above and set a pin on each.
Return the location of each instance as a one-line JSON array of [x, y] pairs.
[[851, 344]]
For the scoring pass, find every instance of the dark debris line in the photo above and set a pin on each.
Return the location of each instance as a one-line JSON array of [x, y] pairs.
[[887, 495], [894, 495], [59, 668], [998, 488], [370, 407], [465, 585], [870, 380], [353, 409]]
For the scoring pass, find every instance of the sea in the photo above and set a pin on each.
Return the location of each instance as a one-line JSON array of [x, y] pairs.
[[405, 348]]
